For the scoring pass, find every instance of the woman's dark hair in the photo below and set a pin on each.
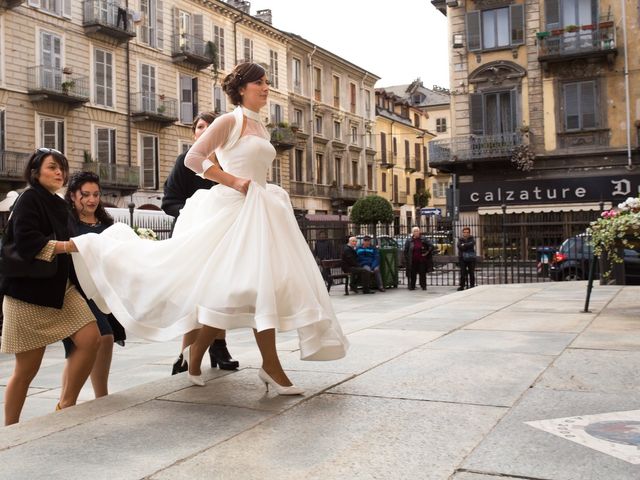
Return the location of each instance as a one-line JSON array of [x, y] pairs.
[[208, 117], [242, 74], [76, 181], [32, 170]]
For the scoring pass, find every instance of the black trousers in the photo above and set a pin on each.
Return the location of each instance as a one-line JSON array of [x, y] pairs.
[[418, 268], [468, 269], [361, 276], [122, 15]]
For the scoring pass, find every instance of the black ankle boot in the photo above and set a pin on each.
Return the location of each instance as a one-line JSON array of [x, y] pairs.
[[221, 357], [179, 366]]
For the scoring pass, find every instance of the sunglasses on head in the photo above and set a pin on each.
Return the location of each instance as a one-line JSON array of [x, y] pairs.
[[48, 150]]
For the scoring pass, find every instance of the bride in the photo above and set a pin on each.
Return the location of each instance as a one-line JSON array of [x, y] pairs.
[[236, 259]]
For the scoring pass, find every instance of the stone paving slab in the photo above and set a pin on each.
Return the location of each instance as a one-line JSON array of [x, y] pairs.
[[595, 371], [343, 437], [425, 323], [481, 378], [543, 343], [479, 476], [533, 322], [244, 389], [516, 449], [129, 444]]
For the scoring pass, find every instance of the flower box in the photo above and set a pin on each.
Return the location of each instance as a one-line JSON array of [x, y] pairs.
[[607, 24], [541, 35]]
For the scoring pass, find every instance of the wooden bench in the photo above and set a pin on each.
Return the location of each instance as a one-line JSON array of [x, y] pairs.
[[330, 266]]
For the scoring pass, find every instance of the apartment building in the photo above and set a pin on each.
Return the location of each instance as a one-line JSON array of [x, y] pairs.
[[402, 154], [545, 96], [435, 103], [116, 87]]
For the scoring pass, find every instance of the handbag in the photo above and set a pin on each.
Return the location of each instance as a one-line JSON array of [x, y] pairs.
[[12, 265]]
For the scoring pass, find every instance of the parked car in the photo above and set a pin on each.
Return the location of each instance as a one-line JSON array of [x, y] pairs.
[[571, 261]]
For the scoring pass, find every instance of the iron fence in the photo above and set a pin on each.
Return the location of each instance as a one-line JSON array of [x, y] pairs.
[[511, 248]]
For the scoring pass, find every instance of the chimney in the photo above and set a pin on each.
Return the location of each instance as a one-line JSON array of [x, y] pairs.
[[242, 5], [264, 15]]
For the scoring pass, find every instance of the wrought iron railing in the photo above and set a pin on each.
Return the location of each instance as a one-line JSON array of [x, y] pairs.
[[573, 40], [115, 175], [345, 192], [12, 164], [154, 104], [108, 13], [191, 45], [400, 198], [306, 189], [473, 147], [42, 78]]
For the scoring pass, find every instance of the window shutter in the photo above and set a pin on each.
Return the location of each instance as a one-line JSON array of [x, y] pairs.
[[112, 141], [34, 3], [144, 27], [159, 25], [552, 13], [588, 104], [177, 41], [66, 8], [515, 117], [477, 114], [194, 92], [516, 14], [571, 108], [474, 31], [60, 127], [186, 100], [198, 28]]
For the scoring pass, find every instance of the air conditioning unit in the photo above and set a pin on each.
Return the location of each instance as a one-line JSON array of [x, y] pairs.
[[452, 3]]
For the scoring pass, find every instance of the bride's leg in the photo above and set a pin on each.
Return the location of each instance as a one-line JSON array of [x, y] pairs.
[[206, 335], [266, 340]]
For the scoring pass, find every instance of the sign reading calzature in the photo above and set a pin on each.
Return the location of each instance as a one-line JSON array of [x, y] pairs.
[[547, 191]]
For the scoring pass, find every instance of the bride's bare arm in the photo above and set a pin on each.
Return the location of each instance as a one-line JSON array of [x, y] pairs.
[[201, 156]]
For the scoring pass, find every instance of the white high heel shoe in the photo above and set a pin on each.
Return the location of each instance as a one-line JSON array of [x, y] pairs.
[[280, 390], [195, 379]]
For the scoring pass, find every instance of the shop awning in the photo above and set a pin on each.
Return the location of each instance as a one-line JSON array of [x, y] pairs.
[[556, 207]]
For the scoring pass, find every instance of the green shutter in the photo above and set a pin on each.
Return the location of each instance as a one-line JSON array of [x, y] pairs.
[[474, 32], [477, 114], [516, 15]]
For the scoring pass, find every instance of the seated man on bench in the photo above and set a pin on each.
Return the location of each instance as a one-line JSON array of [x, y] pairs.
[[351, 265]]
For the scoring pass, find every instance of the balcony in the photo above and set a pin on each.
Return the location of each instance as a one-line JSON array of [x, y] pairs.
[[283, 137], [349, 193], [400, 198], [13, 164], [7, 4], [409, 165], [309, 189], [597, 40], [153, 108], [123, 177], [388, 160], [104, 18], [48, 83], [472, 148], [192, 50]]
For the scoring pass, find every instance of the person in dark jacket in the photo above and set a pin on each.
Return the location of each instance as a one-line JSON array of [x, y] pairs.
[[418, 258], [351, 265], [369, 259], [181, 184], [467, 259], [42, 311]]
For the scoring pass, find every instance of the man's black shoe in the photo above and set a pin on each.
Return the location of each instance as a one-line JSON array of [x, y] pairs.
[[460, 289], [179, 366], [221, 357]]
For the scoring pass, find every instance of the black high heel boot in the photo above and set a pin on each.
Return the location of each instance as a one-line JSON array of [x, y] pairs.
[[179, 366], [221, 357]]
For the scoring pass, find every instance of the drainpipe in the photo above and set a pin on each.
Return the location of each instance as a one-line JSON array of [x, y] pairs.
[[235, 39], [311, 111], [128, 62], [363, 155], [626, 84]]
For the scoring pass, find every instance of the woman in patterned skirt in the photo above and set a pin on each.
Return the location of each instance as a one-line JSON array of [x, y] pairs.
[[41, 311]]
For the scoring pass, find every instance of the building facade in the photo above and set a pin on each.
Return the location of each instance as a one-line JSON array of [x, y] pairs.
[[546, 109], [401, 137], [115, 86]]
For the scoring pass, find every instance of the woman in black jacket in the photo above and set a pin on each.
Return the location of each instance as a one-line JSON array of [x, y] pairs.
[[39, 312]]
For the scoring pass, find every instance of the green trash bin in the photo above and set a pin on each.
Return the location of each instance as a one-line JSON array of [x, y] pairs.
[[389, 266]]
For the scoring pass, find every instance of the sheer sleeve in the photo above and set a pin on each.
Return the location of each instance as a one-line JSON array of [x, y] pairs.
[[214, 137]]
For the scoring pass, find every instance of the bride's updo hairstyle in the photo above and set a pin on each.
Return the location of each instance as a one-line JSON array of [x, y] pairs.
[[242, 74]]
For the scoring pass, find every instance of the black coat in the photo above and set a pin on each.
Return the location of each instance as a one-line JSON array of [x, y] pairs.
[[38, 217], [181, 184], [466, 245], [427, 250], [349, 259]]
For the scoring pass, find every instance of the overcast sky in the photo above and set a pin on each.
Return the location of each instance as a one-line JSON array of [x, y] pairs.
[[398, 41]]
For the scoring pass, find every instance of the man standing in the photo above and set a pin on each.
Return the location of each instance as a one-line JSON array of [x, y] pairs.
[[351, 265], [181, 184], [418, 258], [467, 259]]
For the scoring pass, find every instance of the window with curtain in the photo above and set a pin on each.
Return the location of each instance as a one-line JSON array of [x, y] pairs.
[[149, 161], [580, 105], [103, 78], [52, 133], [494, 113], [495, 28], [105, 143]]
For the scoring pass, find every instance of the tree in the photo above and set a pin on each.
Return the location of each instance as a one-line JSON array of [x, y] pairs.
[[371, 210], [422, 198]]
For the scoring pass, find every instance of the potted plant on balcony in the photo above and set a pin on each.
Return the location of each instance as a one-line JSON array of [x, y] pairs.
[[557, 32], [615, 230], [67, 86], [571, 28], [606, 24], [541, 35]]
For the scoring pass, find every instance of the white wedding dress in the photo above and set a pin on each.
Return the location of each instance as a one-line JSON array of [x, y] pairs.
[[233, 261]]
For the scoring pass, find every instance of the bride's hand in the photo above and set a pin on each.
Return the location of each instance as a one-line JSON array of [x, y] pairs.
[[241, 185]]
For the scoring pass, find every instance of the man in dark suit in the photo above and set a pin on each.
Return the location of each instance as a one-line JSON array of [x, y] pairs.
[[351, 265]]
